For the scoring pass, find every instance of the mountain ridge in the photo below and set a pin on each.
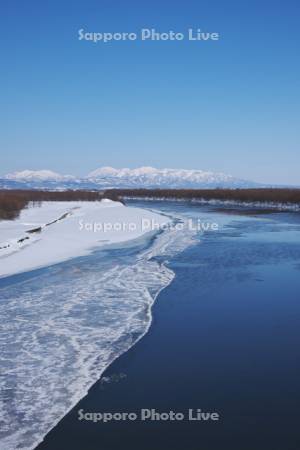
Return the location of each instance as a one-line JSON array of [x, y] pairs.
[[110, 177]]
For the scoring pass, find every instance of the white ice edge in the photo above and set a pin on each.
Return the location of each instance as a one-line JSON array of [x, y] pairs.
[[84, 392]]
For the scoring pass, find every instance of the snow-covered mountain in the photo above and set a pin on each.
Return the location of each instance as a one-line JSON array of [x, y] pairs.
[[109, 177], [149, 177], [37, 175]]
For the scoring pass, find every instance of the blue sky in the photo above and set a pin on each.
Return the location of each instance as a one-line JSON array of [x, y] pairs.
[[230, 106]]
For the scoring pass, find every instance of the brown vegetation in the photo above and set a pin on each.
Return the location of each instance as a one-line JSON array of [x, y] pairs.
[[241, 195], [10, 206], [13, 201]]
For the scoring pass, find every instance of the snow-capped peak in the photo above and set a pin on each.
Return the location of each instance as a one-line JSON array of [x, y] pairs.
[[193, 174], [151, 177], [107, 171], [37, 175], [102, 171]]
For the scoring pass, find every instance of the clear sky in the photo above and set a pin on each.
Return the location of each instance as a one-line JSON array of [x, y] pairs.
[[231, 105]]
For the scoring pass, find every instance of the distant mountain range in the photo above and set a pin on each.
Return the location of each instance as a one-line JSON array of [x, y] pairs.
[[108, 177]]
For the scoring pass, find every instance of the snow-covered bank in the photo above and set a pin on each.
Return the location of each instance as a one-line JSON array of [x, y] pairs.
[[57, 231]]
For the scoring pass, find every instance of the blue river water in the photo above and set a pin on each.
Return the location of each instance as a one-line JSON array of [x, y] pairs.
[[223, 338]]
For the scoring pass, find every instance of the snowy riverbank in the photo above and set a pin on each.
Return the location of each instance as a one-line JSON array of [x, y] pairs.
[[57, 231]]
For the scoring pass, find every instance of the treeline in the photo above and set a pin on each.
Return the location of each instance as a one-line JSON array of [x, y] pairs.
[[274, 195], [11, 205], [13, 201]]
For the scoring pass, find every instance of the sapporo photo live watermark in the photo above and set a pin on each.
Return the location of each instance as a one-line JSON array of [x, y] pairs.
[[152, 415], [148, 225], [148, 34]]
